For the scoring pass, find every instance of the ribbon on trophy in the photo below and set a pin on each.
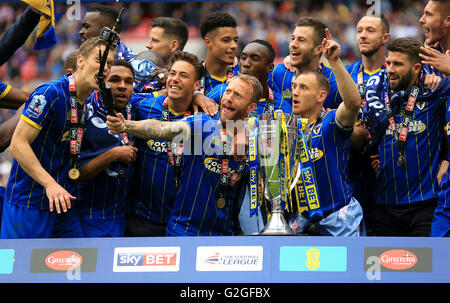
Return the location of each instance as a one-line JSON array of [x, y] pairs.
[[306, 188], [253, 163], [284, 164]]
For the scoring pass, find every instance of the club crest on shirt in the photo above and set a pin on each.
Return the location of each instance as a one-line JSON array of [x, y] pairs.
[[316, 129], [36, 106], [420, 105]]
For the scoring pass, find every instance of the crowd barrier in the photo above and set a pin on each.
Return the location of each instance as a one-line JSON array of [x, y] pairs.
[[255, 259]]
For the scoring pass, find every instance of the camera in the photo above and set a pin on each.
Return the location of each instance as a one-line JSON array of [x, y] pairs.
[[109, 36]]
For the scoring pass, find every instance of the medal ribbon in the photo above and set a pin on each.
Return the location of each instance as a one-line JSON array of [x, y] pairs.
[[175, 159], [400, 138], [77, 121]]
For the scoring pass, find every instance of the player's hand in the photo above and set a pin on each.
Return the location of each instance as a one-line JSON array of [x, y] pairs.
[[287, 64], [116, 125], [161, 75], [240, 146], [432, 81], [235, 63], [375, 162], [58, 197], [433, 57], [442, 170], [331, 49], [209, 106], [126, 153]]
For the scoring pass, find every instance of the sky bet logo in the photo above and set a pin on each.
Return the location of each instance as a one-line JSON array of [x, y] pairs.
[[146, 259]]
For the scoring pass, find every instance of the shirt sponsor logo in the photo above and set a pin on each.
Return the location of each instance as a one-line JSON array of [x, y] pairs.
[[229, 258], [146, 259], [63, 260], [407, 259], [214, 165], [158, 146], [317, 258], [6, 261], [315, 153], [414, 127]]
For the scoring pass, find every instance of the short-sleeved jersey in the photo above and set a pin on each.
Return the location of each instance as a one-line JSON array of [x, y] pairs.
[[329, 151], [4, 89], [195, 212], [261, 107], [280, 81], [48, 110], [154, 188], [415, 180], [104, 196], [209, 81]]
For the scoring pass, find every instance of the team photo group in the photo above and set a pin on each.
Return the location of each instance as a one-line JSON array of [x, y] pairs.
[[244, 139]]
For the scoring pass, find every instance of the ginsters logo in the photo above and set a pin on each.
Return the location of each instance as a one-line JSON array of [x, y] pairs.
[[63, 260], [399, 259], [229, 258]]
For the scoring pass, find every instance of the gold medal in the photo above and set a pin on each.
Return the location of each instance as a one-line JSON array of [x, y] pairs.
[[400, 160], [74, 173], [220, 202]]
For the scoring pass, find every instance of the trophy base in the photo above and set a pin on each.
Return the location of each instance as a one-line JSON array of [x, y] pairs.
[[277, 226]]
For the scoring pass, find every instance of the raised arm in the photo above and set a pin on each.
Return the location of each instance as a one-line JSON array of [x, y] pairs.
[[147, 129], [347, 111]]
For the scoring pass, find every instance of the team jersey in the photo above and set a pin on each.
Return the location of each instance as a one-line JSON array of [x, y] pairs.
[[329, 151], [48, 110], [280, 81], [261, 107], [196, 211], [444, 186], [208, 81], [415, 180], [4, 89], [154, 188], [105, 196], [124, 52]]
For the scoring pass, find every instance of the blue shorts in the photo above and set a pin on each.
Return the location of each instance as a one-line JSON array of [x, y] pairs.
[[440, 226], [100, 228], [24, 223]]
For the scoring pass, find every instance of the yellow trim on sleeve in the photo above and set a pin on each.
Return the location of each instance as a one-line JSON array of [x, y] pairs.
[[6, 91], [31, 122]]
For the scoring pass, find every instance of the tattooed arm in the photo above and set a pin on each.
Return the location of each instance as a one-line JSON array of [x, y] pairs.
[[147, 129]]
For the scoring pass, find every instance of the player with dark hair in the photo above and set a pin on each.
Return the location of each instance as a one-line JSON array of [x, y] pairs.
[[328, 141], [44, 150], [97, 17], [106, 160], [405, 117], [158, 165], [257, 60], [305, 51], [218, 31], [167, 35]]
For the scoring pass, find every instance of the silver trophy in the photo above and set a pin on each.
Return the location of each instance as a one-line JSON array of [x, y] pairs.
[[270, 131]]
